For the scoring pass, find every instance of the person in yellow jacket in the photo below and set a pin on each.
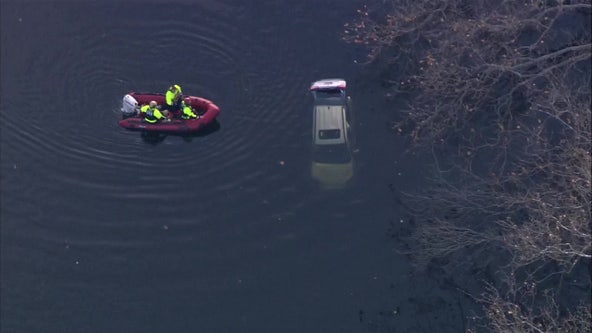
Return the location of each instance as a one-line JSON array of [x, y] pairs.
[[188, 111], [174, 99], [152, 114]]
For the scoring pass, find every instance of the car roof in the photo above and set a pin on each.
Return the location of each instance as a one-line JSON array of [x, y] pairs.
[[329, 124]]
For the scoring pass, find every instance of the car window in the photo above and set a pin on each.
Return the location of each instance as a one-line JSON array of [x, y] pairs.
[[329, 134], [328, 93]]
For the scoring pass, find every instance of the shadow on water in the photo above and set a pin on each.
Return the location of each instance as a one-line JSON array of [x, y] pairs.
[[157, 137]]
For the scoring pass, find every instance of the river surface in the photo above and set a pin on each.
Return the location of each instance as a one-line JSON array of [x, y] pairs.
[[104, 230]]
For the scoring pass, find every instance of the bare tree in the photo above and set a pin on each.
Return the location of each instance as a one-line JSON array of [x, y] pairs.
[[502, 101], [516, 311]]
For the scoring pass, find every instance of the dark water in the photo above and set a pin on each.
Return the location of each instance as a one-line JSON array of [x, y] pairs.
[[105, 231]]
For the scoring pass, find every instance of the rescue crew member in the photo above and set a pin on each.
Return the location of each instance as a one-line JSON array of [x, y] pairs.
[[152, 114], [173, 98], [188, 111]]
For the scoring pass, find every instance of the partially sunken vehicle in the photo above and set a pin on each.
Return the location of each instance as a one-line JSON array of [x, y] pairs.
[[332, 161]]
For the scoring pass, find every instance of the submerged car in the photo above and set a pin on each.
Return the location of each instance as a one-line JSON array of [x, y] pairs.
[[332, 161]]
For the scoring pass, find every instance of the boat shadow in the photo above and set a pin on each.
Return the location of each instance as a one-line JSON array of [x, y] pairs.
[[157, 137]]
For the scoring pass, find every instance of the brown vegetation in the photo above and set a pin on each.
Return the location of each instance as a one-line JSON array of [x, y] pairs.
[[502, 101]]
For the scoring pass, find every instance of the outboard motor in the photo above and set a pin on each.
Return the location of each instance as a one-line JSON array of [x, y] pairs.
[[129, 107]]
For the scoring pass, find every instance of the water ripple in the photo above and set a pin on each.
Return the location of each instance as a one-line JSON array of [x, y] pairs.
[[70, 124]]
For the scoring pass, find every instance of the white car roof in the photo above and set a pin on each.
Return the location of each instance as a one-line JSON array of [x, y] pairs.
[[327, 118]]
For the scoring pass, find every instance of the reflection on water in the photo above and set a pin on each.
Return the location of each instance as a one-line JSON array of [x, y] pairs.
[[157, 137], [332, 164]]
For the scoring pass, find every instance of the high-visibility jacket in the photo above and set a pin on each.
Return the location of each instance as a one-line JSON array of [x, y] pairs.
[[172, 94], [188, 112], [152, 114]]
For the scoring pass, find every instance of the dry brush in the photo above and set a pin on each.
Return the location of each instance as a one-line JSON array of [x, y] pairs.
[[502, 101]]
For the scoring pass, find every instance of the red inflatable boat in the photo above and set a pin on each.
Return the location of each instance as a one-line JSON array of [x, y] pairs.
[[134, 120]]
